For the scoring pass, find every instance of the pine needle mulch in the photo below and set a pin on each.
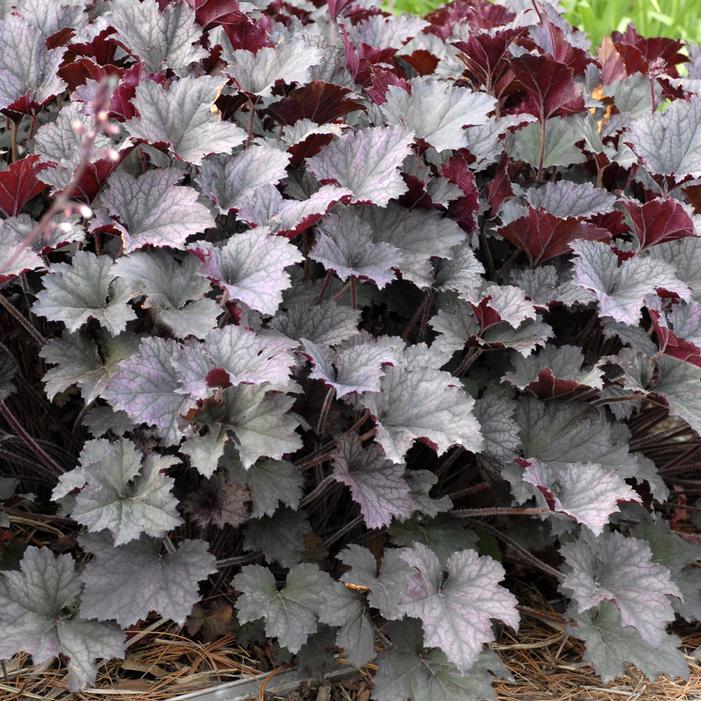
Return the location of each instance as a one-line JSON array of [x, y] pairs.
[[163, 662]]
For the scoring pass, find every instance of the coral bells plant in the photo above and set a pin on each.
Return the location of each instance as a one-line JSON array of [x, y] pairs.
[[354, 321]]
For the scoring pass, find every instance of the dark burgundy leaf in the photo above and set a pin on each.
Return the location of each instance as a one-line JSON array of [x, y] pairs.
[[487, 56], [19, 183], [671, 344], [658, 221], [319, 101], [554, 42], [549, 85], [648, 55], [422, 61], [463, 210], [543, 236], [479, 14]]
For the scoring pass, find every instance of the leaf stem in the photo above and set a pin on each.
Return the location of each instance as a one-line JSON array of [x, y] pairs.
[[541, 153], [418, 314], [317, 491], [13, 144], [251, 115], [324, 286], [500, 511], [325, 408], [351, 525], [342, 291], [17, 427], [522, 552]]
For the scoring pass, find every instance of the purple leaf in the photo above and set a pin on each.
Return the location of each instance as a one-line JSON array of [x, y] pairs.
[[618, 569], [455, 611], [585, 491], [377, 485], [146, 386], [152, 210]]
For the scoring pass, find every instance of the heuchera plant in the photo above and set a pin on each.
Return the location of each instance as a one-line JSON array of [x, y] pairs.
[[341, 308]]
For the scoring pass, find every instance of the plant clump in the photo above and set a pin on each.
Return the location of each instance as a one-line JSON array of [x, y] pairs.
[[351, 320]]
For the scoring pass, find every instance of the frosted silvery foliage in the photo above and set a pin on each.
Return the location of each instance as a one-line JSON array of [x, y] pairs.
[[316, 296]]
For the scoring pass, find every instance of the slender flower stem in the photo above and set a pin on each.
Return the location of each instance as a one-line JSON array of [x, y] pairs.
[[21, 320], [63, 201], [17, 427]]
